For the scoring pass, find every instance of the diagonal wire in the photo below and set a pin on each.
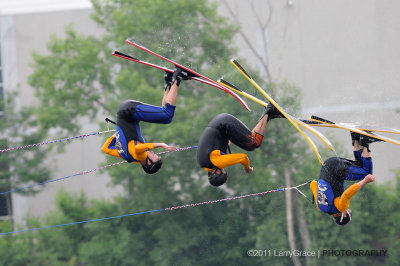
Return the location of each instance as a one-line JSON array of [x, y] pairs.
[[301, 193], [87, 172], [55, 141], [65, 177], [160, 210]]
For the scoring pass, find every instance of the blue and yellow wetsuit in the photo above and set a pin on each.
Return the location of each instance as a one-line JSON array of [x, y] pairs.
[[128, 142], [213, 143], [329, 193]]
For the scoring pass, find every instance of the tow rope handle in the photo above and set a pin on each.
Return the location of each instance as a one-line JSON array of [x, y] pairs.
[[109, 120]]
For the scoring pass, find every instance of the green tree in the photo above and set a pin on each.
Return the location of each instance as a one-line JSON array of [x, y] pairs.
[[14, 133], [199, 39]]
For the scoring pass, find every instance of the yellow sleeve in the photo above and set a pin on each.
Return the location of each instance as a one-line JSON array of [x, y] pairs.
[[224, 160], [105, 149], [143, 147], [342, 203], [139, 151], [314, 189]]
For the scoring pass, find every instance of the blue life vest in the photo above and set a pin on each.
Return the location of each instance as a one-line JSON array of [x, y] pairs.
[[325, 197], [122, 145]]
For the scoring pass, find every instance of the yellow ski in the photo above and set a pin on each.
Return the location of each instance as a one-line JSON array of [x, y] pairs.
[[388, 130], [287, 116], [299, 122], [344, 126]]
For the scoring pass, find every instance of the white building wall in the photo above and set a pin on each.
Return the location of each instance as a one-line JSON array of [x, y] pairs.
[[344, 55], [24, 32]]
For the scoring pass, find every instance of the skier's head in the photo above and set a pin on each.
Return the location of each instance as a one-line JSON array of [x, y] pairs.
[[342, 218], [152, 163], [217, 177]]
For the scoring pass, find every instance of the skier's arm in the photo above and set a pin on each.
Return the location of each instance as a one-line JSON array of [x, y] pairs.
[[342, 203], [110, 148], [140, 148], [221, 160]]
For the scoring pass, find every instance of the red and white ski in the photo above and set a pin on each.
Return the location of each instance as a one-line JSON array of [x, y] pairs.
[[134, 59], [210, 81]]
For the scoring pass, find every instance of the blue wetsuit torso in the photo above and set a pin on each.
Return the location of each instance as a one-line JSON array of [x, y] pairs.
[[333, 174], [129, 114]]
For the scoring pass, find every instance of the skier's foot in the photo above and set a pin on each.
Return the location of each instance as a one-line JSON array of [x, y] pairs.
[[355, 137], [366, 140], [272, 112], [167, 79], [181, 74]]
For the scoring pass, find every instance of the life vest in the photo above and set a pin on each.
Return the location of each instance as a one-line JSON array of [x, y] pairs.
[[122, 146], [326, 198]]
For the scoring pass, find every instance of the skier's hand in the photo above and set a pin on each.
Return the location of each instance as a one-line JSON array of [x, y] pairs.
[[248, 170], [169, 148], [369, 178]]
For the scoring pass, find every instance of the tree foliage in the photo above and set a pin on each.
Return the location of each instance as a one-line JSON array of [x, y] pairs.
[[19, 128]]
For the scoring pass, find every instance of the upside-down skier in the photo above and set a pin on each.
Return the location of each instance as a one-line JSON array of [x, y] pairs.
[[128, 143], [223, 130], [329, 191]]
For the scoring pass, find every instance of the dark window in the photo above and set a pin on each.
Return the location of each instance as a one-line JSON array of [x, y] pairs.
[[3, 205], [5, 200]]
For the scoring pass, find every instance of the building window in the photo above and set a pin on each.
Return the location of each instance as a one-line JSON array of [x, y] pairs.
[[4, 205], [5, 199]]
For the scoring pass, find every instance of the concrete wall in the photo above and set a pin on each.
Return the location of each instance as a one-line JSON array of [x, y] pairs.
[[344, 55], [27, 32]]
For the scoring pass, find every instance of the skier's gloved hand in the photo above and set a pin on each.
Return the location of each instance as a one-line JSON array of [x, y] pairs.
[[181, 74], [167, 79]]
